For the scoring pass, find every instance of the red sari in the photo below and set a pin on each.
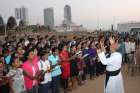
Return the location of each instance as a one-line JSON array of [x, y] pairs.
[[65, 64]]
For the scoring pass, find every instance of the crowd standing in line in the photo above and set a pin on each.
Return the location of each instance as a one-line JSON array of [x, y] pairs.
[[44, 65]]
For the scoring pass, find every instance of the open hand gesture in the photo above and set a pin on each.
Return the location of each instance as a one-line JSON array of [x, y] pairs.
[[101, 47]]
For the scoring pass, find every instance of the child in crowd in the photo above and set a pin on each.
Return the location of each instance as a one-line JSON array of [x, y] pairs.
[[64, 56], [4, 80], [73, 67], [55, 69], [45, 74], [16, 74], [81, 65], [30, 71]]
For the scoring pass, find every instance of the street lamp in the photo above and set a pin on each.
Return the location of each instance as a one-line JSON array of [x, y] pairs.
[[5, 30]]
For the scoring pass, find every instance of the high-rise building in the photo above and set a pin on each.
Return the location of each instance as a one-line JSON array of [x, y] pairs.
[[67, 14], [17, 13], [22, 14], [49, 17]]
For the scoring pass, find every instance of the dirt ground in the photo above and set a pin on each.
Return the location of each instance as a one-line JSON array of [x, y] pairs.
[[131, 84]]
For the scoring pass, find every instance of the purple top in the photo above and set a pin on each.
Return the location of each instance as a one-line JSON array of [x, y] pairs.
[[92, 54]]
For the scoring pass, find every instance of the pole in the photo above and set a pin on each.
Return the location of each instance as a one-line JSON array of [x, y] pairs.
[[5, 30]]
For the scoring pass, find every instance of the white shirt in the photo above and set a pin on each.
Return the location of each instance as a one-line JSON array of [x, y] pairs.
[[132, 46], [26, 42], [113, 63], [128, 47], [44, 66]]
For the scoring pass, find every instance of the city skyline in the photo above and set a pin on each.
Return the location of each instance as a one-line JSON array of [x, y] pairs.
[[91, 13]]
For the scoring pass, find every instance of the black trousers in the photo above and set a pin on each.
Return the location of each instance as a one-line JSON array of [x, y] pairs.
[[84, 75], [55, 84], [5, 89], [33, 90], [100, 68], [65, 83], [92, 70]]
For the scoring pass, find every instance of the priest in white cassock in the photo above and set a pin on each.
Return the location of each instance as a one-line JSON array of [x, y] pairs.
[[114, 80]]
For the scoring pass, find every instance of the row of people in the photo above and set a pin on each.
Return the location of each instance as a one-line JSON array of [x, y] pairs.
[[36, 66]]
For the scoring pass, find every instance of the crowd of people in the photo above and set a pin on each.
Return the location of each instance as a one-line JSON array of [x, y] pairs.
[[46, 64]]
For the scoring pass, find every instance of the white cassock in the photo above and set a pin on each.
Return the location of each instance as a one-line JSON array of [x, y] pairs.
[[113, 63]]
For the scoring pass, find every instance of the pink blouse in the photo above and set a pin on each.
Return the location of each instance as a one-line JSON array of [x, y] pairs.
[[29, 69]]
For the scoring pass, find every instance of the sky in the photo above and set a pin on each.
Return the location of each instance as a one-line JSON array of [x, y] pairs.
[[93, 14]]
